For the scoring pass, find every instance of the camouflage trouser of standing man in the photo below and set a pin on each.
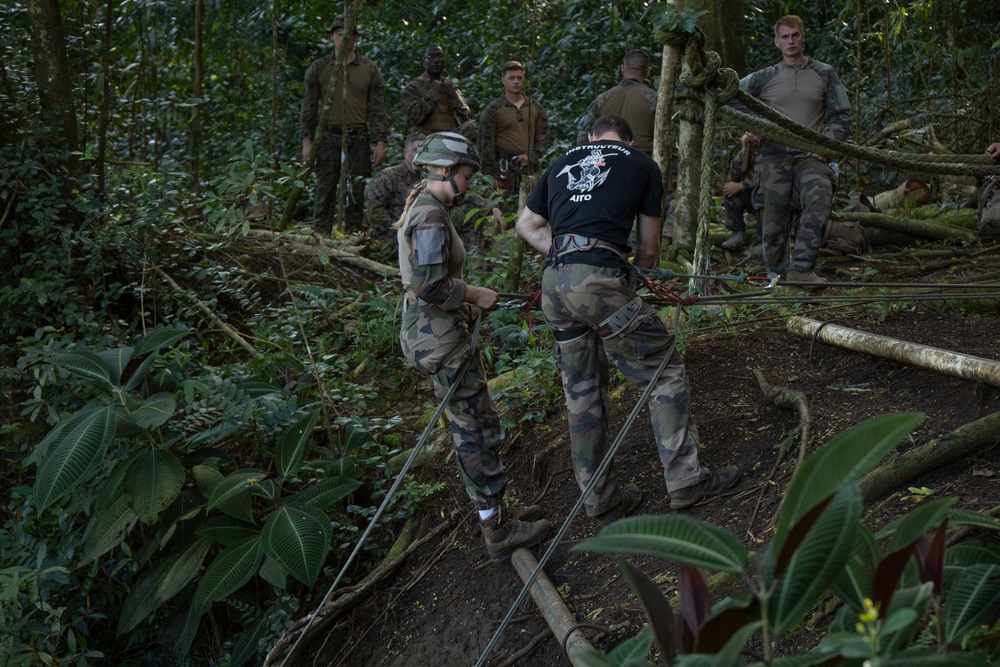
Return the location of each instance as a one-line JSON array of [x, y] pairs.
[[779, 176], [437, 342], [595, 315], [327, 168]]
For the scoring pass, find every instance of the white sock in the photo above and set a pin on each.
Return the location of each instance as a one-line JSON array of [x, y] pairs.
[[486, 514]]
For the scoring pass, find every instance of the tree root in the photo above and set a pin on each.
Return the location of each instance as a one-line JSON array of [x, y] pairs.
[[785, 398]]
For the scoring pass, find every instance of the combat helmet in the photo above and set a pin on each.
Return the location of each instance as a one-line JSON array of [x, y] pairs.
[[446, 149]]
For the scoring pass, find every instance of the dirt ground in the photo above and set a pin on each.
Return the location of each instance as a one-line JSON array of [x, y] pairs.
[[445, 602]]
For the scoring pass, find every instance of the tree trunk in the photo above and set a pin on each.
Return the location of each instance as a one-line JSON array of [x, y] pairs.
[[102, 131], [199, 73], [513, 281], [965, 366], [55, 89], [894, 473], [663, 133], [730, 27], [921, 228], [688, 184]]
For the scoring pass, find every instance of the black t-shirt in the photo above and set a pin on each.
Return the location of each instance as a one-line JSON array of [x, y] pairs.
[[596, 190]]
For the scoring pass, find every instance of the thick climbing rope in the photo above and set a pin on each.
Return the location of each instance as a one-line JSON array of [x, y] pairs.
[[601, 469], [431, 425]]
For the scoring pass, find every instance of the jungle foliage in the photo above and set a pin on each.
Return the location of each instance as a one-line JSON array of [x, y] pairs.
[[155, 470]]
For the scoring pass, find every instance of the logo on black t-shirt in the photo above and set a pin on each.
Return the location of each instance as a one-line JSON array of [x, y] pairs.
[[586, 174]]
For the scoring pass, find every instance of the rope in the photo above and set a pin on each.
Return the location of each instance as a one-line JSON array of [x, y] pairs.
[[601, 469], [706, 78], [395, 485]]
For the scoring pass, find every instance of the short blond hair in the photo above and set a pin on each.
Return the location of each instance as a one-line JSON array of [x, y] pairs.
[[790, 20]]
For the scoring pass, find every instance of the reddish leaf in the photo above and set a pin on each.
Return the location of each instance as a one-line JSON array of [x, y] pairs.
[[718, 629], [887, 575], [797, 534], [695, 597], [658, 611], [932, 559]]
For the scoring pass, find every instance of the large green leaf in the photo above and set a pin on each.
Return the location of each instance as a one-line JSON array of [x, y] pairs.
[[632, 651], [236, 484], [326, 493], [676, 537], [973, 599], [157, 339], [248, 645], [83, 363], [294, 442], [845, 458], [965, 554], [923, 658], [924, 518], [231, 569], [298, 537], [237, 506], [855, 583], [810, 659], [226, 530], [74, 456], [115, 358], [153, 481], [161, 583], [818, 561], [108, 528], [181, 629], [136, 370], [154, 411], [960, 517]]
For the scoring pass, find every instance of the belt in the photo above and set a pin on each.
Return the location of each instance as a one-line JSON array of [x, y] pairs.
[[337, 131], [564, 244]]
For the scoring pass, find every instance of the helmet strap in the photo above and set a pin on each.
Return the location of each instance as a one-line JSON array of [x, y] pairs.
[[459, 195]]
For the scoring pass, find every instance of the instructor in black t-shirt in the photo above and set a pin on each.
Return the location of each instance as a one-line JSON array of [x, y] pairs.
[[580, 215]]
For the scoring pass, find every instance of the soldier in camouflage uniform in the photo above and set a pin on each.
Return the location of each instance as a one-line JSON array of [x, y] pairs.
[[432, 103], [435, 336], [810, 93], [351, 126], [386, 194], [513, 132], [592, 195], [736, 193], [631, 99]]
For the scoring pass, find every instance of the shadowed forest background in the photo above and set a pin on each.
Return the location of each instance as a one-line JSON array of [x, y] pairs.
[[206, 397]]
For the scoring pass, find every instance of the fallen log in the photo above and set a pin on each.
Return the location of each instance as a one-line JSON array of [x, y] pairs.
[[894, 473], [213, 319], [911, 226], [965, 366], [553, 608], [317, 244]]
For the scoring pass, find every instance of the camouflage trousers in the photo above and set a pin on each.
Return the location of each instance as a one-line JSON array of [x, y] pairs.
[[327, 167], [736, 209], [780, 177], [437, 343], [578, 301]]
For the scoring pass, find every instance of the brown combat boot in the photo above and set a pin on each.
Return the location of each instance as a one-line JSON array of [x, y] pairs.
[[628, 499], [719, 481], [503, 534], [814, 281]]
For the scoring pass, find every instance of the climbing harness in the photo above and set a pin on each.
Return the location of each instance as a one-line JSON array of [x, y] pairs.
[[431, 425]]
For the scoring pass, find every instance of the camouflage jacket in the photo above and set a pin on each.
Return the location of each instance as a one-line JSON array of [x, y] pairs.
[[632, 100], [385, 197], [422, 95], [811, 95], [431, 254], [317, 81], [491, 133]]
